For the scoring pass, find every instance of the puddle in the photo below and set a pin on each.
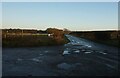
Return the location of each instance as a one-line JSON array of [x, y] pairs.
[[64, 66], [67, 48], [67, 66], [104, 53], [19, 59], [68, 43], [36, 60], [73, 40], [77, 51], [46, 51], [87, 52], [88, 46], [66, 52], [82, 50], [101, 52], [41, 54]]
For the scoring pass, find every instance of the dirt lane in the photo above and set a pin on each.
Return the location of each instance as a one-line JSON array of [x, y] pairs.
[[80, 57]]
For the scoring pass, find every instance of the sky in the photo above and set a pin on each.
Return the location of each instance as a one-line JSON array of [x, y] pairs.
[[76, 16]]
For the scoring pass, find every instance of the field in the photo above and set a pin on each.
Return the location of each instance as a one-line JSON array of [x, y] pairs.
[[109, 42], [104, 37], [30, 40]]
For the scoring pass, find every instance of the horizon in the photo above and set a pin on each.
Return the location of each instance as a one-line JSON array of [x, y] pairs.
[[59, 29], [75, 16]]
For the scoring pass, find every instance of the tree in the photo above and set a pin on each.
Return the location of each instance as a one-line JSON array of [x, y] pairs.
[[58, 34], [66, 31]]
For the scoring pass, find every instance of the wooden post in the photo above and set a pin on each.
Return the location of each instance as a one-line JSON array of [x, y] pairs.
[[22, 33]]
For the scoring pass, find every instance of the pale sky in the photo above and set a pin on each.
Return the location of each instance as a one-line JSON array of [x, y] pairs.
[[72, 15]]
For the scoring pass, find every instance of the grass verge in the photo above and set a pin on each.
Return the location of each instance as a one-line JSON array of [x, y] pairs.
[[109, 42], [30, 41]]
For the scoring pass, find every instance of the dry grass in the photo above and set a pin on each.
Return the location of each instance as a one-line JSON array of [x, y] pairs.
[[30, 41]]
